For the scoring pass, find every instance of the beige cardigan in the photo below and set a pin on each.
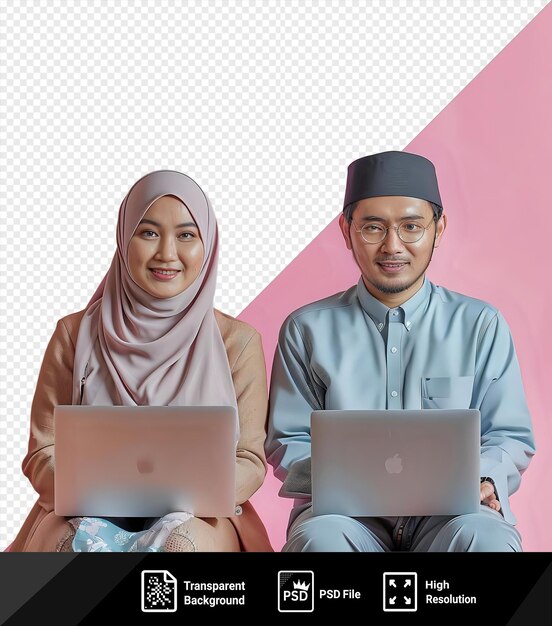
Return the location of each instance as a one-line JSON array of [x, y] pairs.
[[43, 529]]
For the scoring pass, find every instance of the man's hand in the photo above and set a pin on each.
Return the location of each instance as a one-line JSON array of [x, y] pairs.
[[488, 496]]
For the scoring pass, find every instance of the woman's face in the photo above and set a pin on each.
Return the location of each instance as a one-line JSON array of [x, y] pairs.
[[165, 253]]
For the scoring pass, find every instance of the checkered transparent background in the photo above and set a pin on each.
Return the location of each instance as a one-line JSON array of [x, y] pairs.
[[263, 103]]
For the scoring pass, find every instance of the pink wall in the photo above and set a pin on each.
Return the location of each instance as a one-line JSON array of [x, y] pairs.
[[492, 146]]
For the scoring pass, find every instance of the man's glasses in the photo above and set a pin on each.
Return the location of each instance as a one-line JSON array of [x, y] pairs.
[[408, 232]]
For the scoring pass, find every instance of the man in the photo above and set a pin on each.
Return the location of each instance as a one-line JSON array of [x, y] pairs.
[[381, 345]]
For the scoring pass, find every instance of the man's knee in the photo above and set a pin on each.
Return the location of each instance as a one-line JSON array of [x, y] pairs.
[[331, 533], [479, 532]]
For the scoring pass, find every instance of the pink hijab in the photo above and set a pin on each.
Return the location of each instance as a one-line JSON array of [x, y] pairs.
[[135, 349]]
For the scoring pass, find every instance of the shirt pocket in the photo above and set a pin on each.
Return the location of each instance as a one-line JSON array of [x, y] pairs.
[[450, 392]]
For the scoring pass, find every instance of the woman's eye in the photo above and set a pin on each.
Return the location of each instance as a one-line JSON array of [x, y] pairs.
[[149, 233], [186, 236]]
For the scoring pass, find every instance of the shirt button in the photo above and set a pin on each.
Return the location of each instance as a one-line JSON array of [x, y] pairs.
[[380, 326], [395, 312], [393, 349], [394, 394]]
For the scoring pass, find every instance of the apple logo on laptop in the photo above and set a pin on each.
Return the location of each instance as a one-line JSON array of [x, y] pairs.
[[393, 465], [145, 466]]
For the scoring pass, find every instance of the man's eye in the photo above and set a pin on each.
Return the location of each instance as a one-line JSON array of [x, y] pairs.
[[411, 227], [373, 228]]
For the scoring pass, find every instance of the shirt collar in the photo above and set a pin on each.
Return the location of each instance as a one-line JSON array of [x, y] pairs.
[[410, 309]]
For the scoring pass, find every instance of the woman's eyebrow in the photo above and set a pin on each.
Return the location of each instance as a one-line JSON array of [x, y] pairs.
[[184, 225]]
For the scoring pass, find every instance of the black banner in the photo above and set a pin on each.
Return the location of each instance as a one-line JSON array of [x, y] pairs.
[[388, 588]]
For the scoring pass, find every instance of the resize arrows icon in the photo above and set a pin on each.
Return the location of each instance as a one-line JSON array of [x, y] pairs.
[[400, 591]]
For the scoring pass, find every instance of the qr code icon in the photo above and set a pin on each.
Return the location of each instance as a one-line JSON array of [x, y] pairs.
[[158, 591]]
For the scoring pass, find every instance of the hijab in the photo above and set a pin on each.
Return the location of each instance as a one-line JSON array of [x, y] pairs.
[[136, 349]]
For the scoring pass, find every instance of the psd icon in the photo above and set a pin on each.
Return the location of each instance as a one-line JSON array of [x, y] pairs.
[[158, 591], [296, 591]]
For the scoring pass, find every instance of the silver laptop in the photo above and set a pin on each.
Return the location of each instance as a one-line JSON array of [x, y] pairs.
[[391, 463], [120, 461]]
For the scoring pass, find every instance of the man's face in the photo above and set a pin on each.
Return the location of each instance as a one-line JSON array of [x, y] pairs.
[[393, 270]]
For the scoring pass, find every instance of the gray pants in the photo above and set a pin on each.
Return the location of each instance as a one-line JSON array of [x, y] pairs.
[[486, 531]]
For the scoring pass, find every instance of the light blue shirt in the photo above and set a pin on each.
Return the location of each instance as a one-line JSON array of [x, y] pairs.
[[439, 349]]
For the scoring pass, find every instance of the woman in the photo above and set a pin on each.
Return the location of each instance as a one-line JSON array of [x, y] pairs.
[[150, 336]]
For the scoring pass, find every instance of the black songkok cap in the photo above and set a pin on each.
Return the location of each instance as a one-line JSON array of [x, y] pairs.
[[392, 174]]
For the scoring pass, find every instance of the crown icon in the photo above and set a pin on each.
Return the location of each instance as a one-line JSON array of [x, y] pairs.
[[301, 585]]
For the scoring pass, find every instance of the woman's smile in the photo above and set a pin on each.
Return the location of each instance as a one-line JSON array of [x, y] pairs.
[[164, 275]]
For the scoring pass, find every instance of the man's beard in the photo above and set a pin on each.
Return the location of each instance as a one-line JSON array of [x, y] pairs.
[[383, 288], [397, 288]]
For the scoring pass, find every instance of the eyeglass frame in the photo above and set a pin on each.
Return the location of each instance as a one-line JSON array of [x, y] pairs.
[[396, 228]]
